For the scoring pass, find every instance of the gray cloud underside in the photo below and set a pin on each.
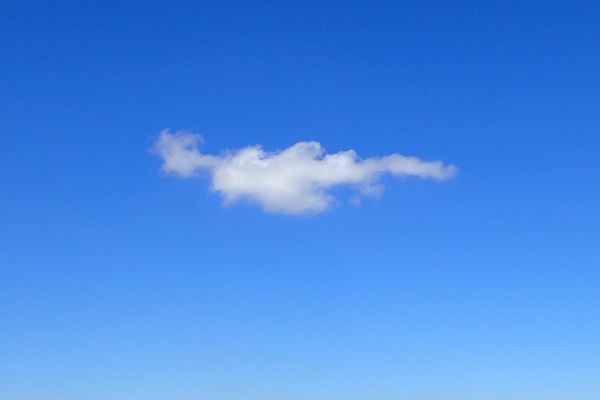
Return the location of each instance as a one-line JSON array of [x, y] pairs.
[[295, 180]]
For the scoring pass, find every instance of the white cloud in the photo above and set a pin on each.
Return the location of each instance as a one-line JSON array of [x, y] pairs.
[[295, 180]]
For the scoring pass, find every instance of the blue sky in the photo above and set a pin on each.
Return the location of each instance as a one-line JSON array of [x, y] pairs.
[[118, 281]]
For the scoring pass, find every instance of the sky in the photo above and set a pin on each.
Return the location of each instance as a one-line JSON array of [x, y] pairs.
[[300, 200]]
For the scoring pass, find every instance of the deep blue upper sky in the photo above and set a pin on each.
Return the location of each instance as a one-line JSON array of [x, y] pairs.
[[118, 283]]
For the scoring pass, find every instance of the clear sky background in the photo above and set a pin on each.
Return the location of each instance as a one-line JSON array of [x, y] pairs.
[[117, 282]]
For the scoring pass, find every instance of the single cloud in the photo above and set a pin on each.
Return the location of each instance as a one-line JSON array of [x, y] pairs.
[[295, 180]]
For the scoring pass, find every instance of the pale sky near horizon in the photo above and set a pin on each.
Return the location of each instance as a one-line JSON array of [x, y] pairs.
[[300, 200]]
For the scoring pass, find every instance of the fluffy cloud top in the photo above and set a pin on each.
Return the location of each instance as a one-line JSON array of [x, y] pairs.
[[295, 180]]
